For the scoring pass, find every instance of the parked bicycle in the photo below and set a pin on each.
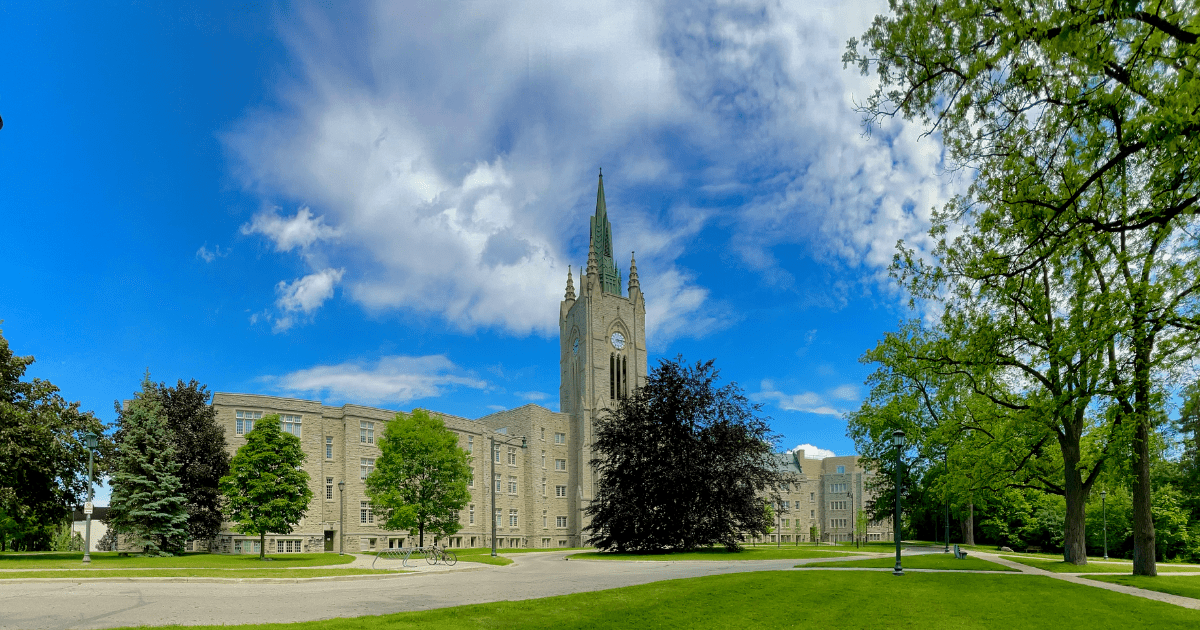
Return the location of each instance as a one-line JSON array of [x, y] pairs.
[[435, 554]]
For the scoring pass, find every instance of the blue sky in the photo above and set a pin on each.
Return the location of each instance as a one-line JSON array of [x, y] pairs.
[[377, 204]]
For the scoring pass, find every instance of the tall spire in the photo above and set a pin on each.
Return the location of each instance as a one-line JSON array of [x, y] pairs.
[[601, 245], [633, 277], [601, 208], [570, 286]]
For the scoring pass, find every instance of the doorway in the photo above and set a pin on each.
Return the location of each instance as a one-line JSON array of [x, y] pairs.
[[328, 540]]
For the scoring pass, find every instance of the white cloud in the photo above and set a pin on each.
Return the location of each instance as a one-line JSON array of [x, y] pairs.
[[304, 295], [845, 392], [805, 402], [532, 396], [207, 255], [393, 379], [812, 452], [289, 233]]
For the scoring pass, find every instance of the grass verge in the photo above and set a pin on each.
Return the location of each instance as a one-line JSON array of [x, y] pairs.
[[1182, 585], [110, 560], [216, 573], [1093, 567], [923, 561], [751, 600], [747, 553]]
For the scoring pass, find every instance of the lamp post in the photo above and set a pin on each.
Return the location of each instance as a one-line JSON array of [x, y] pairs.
[[898, 442], [1104, 514], [341, 517], [779, 525], [90, 440], [493, 482]]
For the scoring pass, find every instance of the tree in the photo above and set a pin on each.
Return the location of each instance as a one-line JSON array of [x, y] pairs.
[[682, 463], [420, 478], [1080, 122], [199, 442], [148, 502], [267, 486], [43, 461]]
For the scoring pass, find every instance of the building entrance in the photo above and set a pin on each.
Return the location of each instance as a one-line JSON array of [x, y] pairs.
[[328, 540]]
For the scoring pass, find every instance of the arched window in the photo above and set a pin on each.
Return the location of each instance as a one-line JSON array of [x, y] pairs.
[[618, 376]]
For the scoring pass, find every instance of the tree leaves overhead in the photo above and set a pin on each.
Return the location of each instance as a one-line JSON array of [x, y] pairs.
[[682, 463], [420, 478]]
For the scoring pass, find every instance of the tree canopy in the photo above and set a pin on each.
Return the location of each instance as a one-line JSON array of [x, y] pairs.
[[681, 463], [199, 442], [267, 486], [420, 478]]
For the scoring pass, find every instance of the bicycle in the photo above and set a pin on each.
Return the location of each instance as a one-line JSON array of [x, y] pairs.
[[435, 554]]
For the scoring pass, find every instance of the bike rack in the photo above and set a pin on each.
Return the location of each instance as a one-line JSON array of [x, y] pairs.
[[399, 553]]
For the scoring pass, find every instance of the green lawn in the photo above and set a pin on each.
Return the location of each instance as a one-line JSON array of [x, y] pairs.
[[217, 573], [110, 560], [850, 600], [1095, 567], [747, 553], [922, 561], [1182, 585]]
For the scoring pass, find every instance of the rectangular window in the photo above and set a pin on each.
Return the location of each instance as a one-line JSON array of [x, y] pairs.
[[543, 459], [365, 512], [841, 470], [810, 497], [786, 522], [512, 518], [560, 521], [245, 421], [366, 432], [560, 491], [470, 444], [784, 487], [365, 466], [328, 447], [499, 518], [812, 514], [290, 424], [545, 541], [512, 456], [787, 505], [472, 514], [471, 481], [512, 485], [543, 434], [498, 484], [329, 488], [560, 464], [543, 486], [560, 438], [496, 453]]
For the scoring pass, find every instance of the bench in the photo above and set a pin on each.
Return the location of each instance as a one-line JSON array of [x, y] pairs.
[[1033, 549], [959, 554]]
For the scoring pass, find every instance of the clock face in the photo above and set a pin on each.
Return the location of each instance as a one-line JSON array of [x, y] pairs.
[[575, 347], [618, 340]]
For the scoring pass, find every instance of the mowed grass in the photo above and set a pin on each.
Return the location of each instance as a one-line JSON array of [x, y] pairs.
[[110, 560], [847, 599], [746, 553], [233, 574], [1182, 585], [1095, 567], [922, 561]]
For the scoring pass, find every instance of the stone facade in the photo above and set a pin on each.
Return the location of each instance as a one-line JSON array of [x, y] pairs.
[[541, 489]]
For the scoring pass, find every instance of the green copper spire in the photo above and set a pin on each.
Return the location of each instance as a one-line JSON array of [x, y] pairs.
[[601, 242]]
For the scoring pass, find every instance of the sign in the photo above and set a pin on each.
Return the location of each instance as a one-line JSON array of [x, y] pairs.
[[87, 508]]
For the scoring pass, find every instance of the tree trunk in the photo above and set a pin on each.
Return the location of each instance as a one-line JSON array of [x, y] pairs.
[[420, 534], [1074, 527], [262, 545], [1144, 561]]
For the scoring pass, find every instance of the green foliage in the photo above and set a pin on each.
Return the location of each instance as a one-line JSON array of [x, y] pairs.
[[199, 442], [420, 478], [43, 461], [148, 502], [682, 463], [267, 486]]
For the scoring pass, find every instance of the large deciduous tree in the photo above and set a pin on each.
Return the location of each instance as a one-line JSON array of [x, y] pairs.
[[199, 442], [681, 463], [267, 486], [148, 502], [420, 478], [43, 461], [1080, 122]]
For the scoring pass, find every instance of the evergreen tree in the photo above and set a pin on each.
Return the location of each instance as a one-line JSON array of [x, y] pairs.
[[420, 478], [267, 486], [682, 463], [148, 502], [200, 450]]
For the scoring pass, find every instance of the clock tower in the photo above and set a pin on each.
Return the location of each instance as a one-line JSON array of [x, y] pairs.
[[602, 341]]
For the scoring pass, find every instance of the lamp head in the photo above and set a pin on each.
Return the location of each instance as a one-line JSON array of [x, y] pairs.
[[523, 441], [341, 486], [1103, 494], [898, 437], [90, 440]]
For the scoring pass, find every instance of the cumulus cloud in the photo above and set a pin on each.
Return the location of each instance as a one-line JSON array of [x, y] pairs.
[[812, 452], [393, 379], [806, 402], [532, 396], [451, 152], [304, 295]]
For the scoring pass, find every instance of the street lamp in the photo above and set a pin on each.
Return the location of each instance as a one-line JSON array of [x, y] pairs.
[[341, 517], [494, 483], [898, 442], [1104, 514], [90, 440]]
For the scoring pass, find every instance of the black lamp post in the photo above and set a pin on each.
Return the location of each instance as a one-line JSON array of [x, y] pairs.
[[1104, 514], [341, 517], [898, 442], [495, 456], [90, 440]]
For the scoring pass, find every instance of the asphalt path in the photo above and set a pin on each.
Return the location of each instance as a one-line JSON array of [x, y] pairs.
[[60, 604]]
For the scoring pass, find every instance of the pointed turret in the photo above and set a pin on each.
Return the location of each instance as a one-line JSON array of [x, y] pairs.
[[570, 286], [633, 277]]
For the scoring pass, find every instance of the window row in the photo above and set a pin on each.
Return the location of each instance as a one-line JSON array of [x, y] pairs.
[[838, 522], [244, 422], [839, 505], [366, 512], [288, 546], [837, 487]]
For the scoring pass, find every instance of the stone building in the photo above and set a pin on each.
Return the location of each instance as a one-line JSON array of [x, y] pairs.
[[541, 489]]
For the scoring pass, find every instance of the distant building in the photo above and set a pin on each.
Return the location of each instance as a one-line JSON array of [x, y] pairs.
[[99, 528], [541, 490]]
